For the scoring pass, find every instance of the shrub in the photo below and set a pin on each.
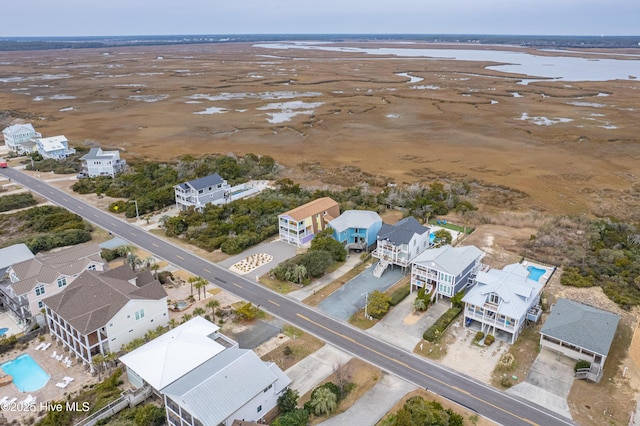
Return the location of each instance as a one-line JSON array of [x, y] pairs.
[[378, 304], [288, 401], [16, 201], [581, 364], [247, 312], [399, 294], [435, 331], [287, 351], [489, 339], [506, 382], [479, 336]]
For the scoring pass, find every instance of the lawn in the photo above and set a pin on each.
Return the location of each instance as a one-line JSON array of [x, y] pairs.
[[301, 345]]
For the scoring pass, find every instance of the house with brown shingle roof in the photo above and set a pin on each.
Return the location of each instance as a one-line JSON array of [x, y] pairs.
[[25, 284], [298, 226], [100, 312]]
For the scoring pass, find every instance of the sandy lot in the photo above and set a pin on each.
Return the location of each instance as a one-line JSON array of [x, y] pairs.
[[330, 117]]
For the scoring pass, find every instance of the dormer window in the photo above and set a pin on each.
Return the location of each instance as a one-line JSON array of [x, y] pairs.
[[62, 281], [494, 298]]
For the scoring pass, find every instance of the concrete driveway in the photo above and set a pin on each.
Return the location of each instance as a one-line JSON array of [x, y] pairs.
[[548, 382], [310, 371], [403, 327]]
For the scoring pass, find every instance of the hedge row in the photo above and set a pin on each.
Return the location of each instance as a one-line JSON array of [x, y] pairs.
[[436, 330], [399, 294]]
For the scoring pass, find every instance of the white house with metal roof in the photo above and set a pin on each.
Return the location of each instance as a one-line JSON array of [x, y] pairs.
[[55, 147], [204, 378], [399, 243], [446, 270], [198, 193], [356, 229], [502, 301], [20, 138], [102, 163], [580, 332]]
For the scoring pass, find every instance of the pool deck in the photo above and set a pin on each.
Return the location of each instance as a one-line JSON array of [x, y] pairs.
[[50, 392]]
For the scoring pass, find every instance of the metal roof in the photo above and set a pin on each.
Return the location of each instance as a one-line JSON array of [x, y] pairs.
[[448, 259], [14, 254], [99, 154], [222, 385], [512, 285], [581, 325], [173, 354], [355, 219]]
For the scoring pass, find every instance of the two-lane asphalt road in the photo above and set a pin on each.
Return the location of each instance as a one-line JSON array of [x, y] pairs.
[[485, 400]]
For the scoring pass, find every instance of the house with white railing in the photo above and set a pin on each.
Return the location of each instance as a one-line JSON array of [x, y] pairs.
[[580, 332], [446, 270], [27, 283], [502, 301], [298, 226], [197, 193], [399, 243], [99, 313], [20, 138], [55, 147], [102, 163]]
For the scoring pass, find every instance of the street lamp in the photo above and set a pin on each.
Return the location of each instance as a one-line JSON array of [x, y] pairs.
[[137, 215]]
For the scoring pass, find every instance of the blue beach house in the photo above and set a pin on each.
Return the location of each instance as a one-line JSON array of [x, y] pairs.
[[356, 229]]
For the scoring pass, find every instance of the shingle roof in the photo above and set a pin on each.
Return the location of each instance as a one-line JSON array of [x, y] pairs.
[[312, 207], [47, 267], [203, 182], [448, 259], [92, 299], [355, 219], [173, 354], [512, 284], [402, 231], [222, 385], [581, 325]]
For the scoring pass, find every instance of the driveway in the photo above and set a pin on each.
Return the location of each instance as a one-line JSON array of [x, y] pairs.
[[548, 382], [402, 327], [310, 371], [350, 298]]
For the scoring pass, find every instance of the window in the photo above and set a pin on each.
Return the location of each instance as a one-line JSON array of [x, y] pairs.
[[62, 281], [259, 408], [40, 304], [92, 267], [494, 298], [39, 290], [140, 314]]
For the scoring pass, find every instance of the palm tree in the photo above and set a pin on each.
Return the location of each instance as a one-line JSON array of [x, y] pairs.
[[133, 261], [172, 323], [199, 284], [192, 281], [123, 251], [299, 273], [198, 311], [420, 304], [324, 401], [185, 318], [213, 304], [97, 362], [155, 267]]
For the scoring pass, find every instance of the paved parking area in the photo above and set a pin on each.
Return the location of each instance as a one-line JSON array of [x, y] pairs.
[[548, 382], [350, 298]]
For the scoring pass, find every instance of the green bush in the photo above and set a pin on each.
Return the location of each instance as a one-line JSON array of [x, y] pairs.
[[399, 294], [581, 364], [489, 339], [378, 304], [479, 336], [16, 201], [435, 331]]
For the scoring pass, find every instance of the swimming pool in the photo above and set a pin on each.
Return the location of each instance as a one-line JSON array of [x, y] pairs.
[[3, 331], [27, 375], [432, 238], [535, 273]]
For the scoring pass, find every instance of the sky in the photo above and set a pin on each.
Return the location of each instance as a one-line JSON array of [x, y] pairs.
[[170, 17]]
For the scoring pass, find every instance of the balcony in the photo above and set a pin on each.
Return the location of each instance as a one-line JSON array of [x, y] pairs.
[[490, 319]]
